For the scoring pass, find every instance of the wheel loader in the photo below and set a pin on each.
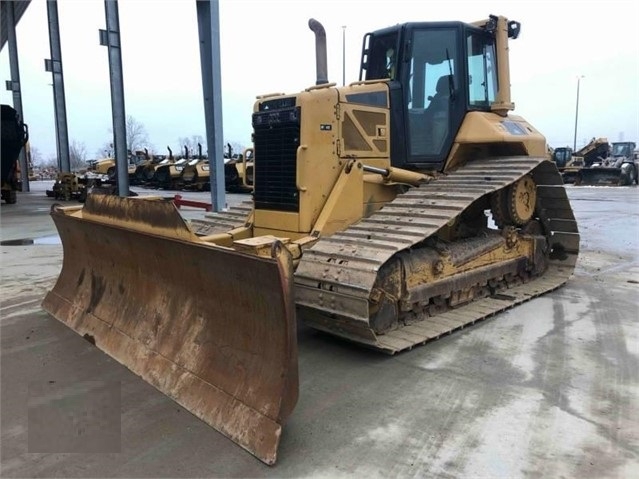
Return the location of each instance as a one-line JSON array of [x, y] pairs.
[[620, 168], [570, 164], [389, 212]]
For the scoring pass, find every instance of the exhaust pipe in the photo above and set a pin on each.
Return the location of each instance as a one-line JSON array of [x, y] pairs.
[[199, 151], [186, 152], [170, 152], [320, 51]]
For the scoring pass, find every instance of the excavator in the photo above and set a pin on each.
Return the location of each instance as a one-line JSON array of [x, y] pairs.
[[388, 212]]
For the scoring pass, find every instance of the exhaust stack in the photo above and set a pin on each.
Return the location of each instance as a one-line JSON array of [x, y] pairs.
[[320, 51]]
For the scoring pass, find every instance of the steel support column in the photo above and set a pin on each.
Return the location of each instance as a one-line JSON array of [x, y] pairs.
[[111, 38], [208, 22], [15, 86], [54, 65]]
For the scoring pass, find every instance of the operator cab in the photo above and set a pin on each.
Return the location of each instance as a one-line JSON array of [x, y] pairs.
[[437, 72], [561, 156], [625, 149]]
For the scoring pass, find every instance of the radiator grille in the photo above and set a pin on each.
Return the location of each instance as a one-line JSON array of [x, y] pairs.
[[276, 138]]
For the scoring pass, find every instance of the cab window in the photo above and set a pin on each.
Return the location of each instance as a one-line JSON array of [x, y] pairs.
[[482, 70]]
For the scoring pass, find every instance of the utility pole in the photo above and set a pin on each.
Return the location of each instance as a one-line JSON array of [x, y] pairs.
[[343, 55], [574, 143]]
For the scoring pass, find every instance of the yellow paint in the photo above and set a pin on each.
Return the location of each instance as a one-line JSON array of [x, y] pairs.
[[428, 272]]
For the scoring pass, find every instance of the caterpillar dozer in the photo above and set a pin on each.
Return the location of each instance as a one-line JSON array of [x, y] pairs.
[[389, 212], [196, 174], [238, 171]]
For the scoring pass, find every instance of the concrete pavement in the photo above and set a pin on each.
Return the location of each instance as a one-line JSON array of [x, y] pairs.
[[548, 389]]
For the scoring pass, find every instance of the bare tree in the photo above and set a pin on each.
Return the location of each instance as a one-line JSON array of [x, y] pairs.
[[50, 162], [192, 144], [136, 135], [77, 155], [136, 139], [105, 151], [36, 156]]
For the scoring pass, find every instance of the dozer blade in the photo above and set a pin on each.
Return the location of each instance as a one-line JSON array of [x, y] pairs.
[[600, 176], [211, 328]]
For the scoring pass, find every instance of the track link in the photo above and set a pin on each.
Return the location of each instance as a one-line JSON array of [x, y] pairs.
[[223, 221], [335, 278]]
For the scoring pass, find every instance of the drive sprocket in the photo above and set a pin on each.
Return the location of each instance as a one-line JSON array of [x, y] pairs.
[[514, 205]]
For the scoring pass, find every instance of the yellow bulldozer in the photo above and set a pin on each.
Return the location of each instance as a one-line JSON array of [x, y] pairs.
[[389, 212], [168, 172], [106, 166], [238, 170], [196, 174]]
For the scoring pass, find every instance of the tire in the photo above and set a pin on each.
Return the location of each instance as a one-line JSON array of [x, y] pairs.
[[629, 176], [111, 173], [162, 178], [10, 196]]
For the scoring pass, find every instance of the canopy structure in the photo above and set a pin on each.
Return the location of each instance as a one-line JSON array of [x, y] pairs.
[[18, 8]]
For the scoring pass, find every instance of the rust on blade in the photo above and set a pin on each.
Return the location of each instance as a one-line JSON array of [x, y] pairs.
[[212, 328]]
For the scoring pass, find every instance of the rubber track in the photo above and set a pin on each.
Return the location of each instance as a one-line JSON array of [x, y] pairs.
[[336, 276]]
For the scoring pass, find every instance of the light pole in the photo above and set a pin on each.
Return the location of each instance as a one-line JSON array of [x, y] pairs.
[[343, 55], [574, 143]]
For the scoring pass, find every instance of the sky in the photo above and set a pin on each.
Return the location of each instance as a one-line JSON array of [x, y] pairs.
[[267, 47]]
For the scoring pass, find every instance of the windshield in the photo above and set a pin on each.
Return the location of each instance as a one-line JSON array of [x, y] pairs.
[[137, 159], [621, 149], [561, 156], [431, 89]]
